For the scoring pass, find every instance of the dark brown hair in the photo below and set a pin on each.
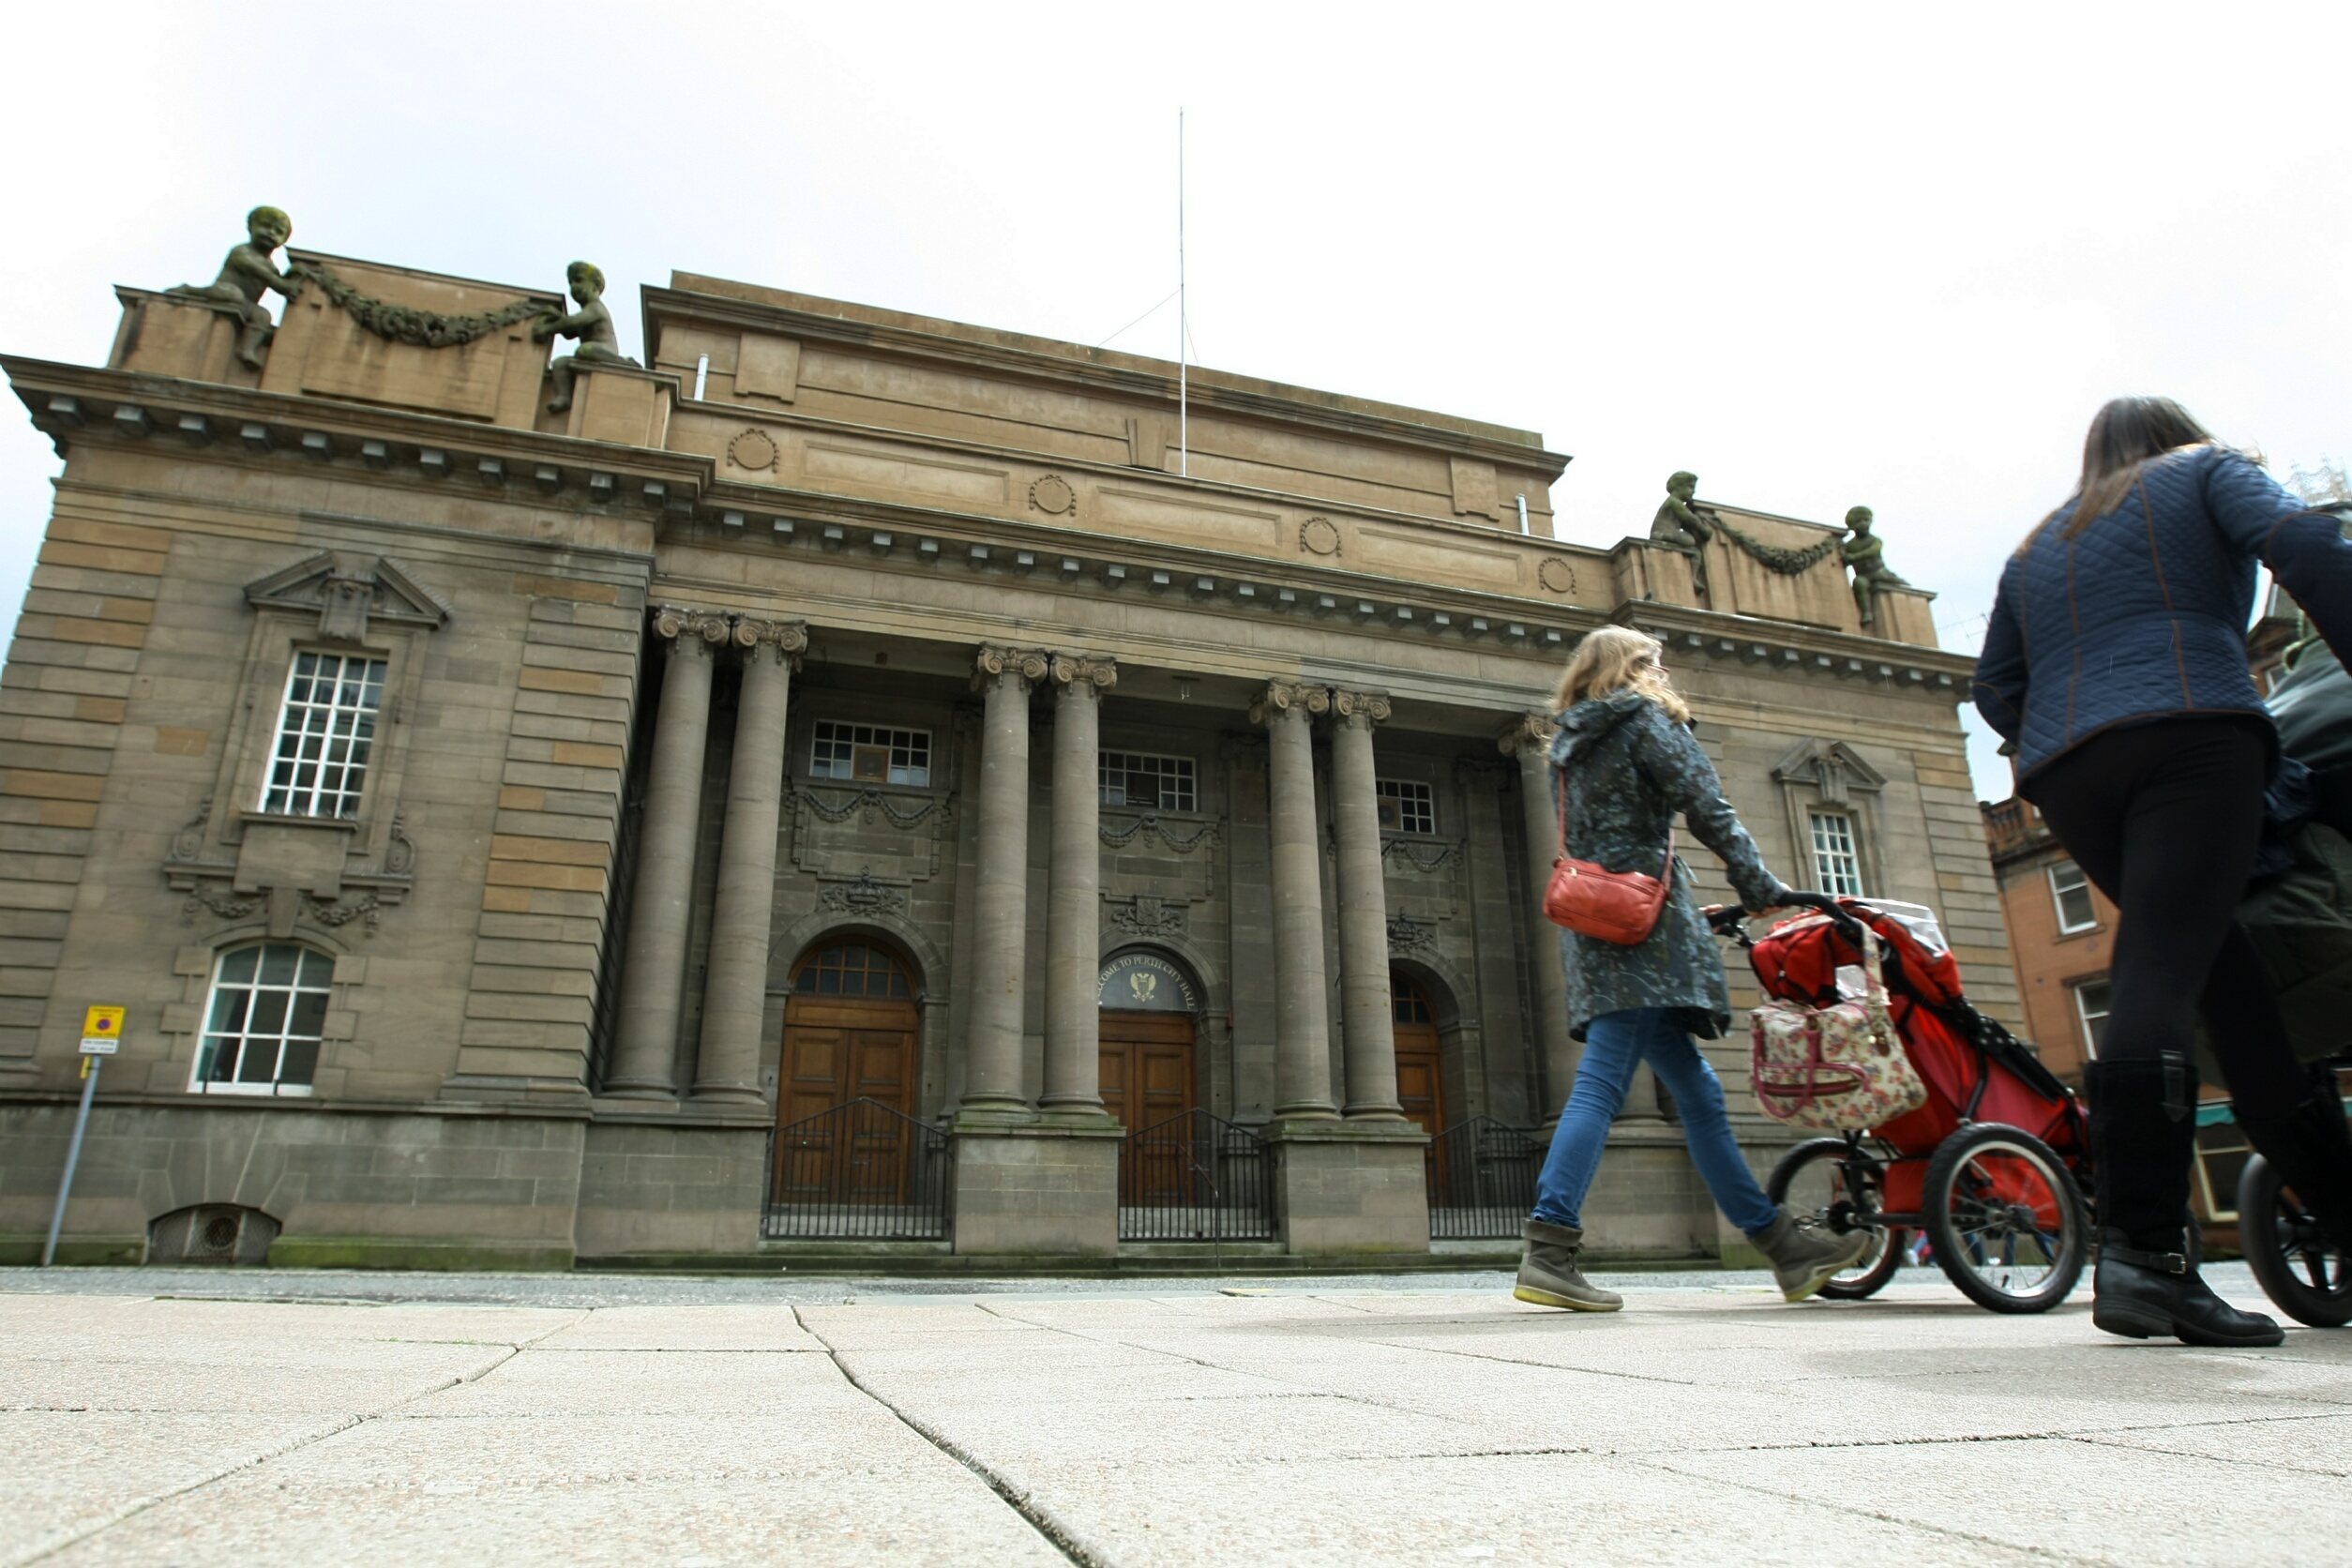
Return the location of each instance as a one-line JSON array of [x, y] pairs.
[[2125, 435]]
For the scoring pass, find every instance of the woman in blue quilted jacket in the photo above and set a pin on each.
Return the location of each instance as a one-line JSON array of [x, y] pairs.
[[2116, 667]]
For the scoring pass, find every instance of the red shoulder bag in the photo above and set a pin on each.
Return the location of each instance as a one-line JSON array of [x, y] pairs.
[[1622, 906]]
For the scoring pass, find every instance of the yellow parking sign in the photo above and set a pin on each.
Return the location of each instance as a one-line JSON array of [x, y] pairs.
[[101, 1030]]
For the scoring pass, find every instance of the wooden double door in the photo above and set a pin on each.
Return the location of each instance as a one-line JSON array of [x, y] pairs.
[[1147, 1067], [1420, 1071], [850, 1029]]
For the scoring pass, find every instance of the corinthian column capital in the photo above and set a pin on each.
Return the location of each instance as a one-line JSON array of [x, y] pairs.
[[1030, 664], [1280, 697], [685, 627], [1366, 708], [1073, 670]]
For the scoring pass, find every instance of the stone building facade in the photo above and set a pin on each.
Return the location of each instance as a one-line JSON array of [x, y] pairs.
[[496, 820]]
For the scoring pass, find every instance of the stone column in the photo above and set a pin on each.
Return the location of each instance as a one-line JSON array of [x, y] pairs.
[[1531, 741], [735, 995], [1074, 896], [1366, 1015], [652, 977], [999, 917], [1302, 1019]]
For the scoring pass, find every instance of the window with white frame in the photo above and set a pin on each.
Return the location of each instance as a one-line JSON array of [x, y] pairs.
[[1154, 783], [2091, 998], [1406, 806], [325, 730], [264, 1021], [2070, 891], [1836, 864], [870, 754]]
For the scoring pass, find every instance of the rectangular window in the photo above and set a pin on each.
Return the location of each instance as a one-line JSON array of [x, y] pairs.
[[2222, 1156], [1152, 783], [263, 1025], [1836, 869], [2091, 1005], [324, 734], [2070, 890], [1406, 807], [867, 754]]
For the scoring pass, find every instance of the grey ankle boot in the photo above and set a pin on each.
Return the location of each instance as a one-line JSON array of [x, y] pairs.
[[1548, 1275], [1805, 1254]]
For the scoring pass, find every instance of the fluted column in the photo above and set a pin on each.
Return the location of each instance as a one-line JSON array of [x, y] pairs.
[[1000, 914], [734, 994], [1530, 740], [1367, 1019], [653, 978], [1074, 1062], [1302, 1016]]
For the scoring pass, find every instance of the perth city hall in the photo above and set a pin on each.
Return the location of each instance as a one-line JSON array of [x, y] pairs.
[[856, 786]]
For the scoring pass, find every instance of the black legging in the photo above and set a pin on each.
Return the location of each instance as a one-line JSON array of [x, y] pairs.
[[2164, 819]]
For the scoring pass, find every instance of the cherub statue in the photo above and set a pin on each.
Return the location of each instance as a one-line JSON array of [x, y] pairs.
[[1679, 523], [246, 275], [592, 323], [1867, 555]]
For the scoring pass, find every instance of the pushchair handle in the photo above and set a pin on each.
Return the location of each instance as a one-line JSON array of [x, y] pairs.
[[1847, 927]]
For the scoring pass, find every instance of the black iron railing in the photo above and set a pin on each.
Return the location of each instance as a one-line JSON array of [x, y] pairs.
[[1194, 1177], [860, 1171], [1481, 1180]]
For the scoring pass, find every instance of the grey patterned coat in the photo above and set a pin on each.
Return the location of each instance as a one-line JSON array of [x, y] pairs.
[[1625, 768]]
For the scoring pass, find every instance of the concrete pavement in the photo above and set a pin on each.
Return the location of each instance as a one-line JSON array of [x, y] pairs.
[[459, 1419]]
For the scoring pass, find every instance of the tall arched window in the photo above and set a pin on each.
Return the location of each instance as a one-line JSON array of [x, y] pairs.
[[264, 1020]]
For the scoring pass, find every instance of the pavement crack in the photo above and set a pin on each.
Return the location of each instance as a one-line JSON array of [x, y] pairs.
[[1546, 1365], [75, 1535], [1019, 1499]]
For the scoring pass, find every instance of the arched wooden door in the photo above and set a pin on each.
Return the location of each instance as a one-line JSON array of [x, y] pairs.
[[850, 1029], [1420, 1074]]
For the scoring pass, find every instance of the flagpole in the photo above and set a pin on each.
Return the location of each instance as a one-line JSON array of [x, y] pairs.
[[1184, 333]]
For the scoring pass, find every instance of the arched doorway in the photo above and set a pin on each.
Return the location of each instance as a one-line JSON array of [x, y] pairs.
[[1147, 1005], [1419, 1069], [850, 1028]]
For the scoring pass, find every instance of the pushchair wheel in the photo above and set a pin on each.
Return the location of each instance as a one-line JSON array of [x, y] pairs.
[[2005, 1218], [2294, 1261], [1835, 1182]]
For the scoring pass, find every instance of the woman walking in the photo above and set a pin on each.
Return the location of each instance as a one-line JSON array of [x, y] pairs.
[[2116, 667], [1624, 763]]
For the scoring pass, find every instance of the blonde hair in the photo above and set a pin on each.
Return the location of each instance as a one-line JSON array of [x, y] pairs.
[[1618, 658]]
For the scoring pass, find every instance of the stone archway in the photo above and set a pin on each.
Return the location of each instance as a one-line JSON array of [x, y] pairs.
[[852, 1029]]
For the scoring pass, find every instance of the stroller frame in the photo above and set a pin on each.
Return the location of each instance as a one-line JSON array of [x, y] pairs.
[[2001, 1201]]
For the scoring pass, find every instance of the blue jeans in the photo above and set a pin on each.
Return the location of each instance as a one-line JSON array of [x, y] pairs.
[[1614, 1044]]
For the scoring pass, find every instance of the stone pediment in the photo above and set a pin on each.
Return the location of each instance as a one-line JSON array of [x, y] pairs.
[[347, 589], [1832, 767]]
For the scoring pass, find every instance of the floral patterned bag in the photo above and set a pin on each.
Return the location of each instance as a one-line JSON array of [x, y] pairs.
[[1834, 1070]]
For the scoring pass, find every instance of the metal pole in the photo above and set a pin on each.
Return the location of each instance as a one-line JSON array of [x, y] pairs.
[[1183, 328], [73, 1155]]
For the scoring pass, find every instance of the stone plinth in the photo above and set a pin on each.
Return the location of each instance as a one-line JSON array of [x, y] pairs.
[[1647, 1200], [1350, 1186], [656, 1187], [186, 339], [622, 404], [1904, 615], [1048, 1185]]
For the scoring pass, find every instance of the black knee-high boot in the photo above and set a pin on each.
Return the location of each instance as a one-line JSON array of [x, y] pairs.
[[2142, 1136], [2311, 1149]]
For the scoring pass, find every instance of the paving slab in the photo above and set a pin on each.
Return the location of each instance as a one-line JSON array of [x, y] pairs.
[[264, 1419]]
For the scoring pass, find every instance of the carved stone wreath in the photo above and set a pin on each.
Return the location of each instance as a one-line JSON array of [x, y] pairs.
[[1053, 496], [1145, 915], [861, 894], [1318, 537], [754, 450], [1407, 935], [1556, 574]]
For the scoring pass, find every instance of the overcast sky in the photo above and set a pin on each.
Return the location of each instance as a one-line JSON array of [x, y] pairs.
[[1821, 255]]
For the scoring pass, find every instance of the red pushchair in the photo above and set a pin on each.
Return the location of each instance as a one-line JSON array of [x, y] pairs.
[[1992, 1168]]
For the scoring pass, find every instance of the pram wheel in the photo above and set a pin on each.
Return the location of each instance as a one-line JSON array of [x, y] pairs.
[[2293, 1261], [2005, 1218], [1835, 1182]]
